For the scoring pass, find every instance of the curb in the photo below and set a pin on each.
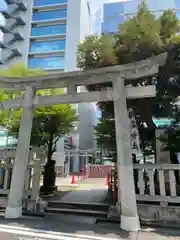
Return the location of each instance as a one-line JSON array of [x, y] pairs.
[[32, 216], [159, 225], [153, 224], [106, 220]]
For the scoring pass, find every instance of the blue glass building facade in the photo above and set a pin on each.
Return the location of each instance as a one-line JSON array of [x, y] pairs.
[[48, 34], [38, 30], [44, 33], [117, 12]]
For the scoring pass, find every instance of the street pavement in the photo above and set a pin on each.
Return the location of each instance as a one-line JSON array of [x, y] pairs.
[[57, 229], [36, 229], [26, 234]]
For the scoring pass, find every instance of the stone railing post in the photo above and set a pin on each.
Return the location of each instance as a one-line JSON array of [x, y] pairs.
[[28, 179], [126, 190], [36, 179], [68, 163], [16, 194], [7, 174]]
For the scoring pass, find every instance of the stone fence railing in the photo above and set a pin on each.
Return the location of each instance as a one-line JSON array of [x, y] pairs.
[[98, 171], [157, 183], [32, 182]]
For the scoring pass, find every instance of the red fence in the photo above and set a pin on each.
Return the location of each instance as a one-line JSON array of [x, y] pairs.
[[98, 171]]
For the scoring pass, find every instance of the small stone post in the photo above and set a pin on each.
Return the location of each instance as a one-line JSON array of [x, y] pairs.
[[36, 180], [68, 163]]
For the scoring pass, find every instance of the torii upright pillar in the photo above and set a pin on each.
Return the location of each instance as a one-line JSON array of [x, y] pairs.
[[16, 194], [128, 207]]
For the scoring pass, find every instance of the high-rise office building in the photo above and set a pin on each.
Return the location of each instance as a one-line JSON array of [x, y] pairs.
[[45, 34], [116, 13], [3, 7], [2, 21]]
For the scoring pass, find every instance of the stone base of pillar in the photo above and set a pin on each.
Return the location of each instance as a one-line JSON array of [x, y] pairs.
[[130, 223], [47, 190], [13, 213]]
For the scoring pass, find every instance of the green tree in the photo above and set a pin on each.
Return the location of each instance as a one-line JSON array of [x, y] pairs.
[[169, 25], [138, 37], [105, 134], [49, 123], [17, 70], [96, 52]]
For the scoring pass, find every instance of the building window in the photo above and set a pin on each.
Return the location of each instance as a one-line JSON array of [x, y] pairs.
[[45, 46], [48, 15], [48, 30], [46, 62], [48, 2]]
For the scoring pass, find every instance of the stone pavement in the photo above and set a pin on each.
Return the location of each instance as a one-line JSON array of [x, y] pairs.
[[86, 196], [86, 191], [94, 182], [63, 181]]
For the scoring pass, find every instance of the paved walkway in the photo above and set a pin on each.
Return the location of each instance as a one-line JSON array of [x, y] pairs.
[[89, 191], [60, 181], [96, 182], [93, 181], [86, 196]]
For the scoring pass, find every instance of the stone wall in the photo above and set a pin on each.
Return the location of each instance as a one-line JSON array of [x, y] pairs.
[[159, 213]]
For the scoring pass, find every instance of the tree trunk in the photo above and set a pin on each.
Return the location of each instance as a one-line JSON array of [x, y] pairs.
[[50, 148], [49, 171]]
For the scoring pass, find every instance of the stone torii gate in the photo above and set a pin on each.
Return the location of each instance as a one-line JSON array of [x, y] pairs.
[[70, 80]]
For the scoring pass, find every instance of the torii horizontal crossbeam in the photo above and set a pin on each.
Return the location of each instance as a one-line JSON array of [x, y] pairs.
[[101, 96], [129, 71]]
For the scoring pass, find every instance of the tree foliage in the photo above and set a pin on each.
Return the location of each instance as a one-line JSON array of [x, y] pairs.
[[105, 134], [169, 24], [138, 38], [96, 52]]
